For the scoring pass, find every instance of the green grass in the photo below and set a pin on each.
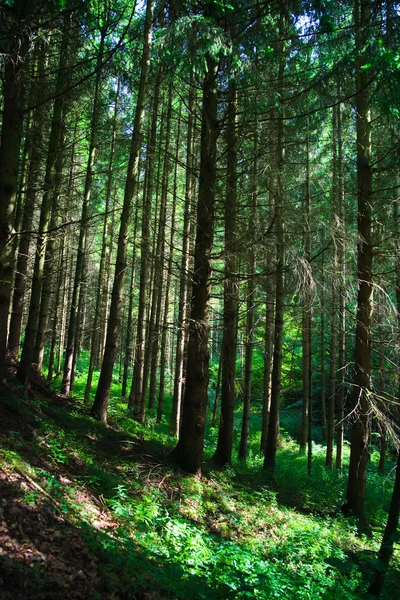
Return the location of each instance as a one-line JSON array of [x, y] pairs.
[[241, 533]]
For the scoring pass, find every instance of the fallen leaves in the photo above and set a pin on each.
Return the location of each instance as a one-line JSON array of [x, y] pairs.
[[41, 553]]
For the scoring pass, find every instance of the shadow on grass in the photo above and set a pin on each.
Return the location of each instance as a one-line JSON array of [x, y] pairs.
[[46, 556], [114, 565]]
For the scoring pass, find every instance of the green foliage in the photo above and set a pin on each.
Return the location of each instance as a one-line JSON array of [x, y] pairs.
[[196, 33], [234, 534]]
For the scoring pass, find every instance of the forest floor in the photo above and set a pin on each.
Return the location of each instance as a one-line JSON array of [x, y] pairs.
[[89, 511]]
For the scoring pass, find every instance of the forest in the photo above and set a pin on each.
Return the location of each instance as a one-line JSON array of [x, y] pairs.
[[199, 299]]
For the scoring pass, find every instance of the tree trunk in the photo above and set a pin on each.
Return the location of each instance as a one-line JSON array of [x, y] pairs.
[[250, 293], [80, 322], [175, 418], [105, 292], [307, 308], [10, 142], [379, 347], [48, 267], [57, 306], [359, 453], [217, 392], [269, 316], [322, 349], [100, 405], [223, 453], [268, 355], [66, 301], [381, 389], [73, 324], [20, 200], [152, 295], [163, 353], [342, 296], [389, 537], [273, 425], [129, 324], [66, 273], [189, 450], [35, 139], [136, 393], [55, 141], [308, 303], [333, 344], [95, 342], [160, 259]]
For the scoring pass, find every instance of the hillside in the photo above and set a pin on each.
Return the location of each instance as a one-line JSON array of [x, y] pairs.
[[96, 511]]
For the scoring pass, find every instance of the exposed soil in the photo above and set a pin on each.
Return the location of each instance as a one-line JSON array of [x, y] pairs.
[[43, 554]]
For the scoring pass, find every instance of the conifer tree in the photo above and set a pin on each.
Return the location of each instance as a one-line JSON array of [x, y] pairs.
[[100, 405]]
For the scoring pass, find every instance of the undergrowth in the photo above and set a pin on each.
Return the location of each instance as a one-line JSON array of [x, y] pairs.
[[238, 533]]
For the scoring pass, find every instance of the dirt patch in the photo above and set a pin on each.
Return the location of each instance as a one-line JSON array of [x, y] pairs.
[[43, 556]]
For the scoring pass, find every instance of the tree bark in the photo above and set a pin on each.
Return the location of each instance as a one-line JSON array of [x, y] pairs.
[[100, 405], [95, 342], [307, 310], [137, 389], [153, 292], [268, 355], [269, 314], [57, 307], [359, 452], [20, 197], [389, 537], [163, 353], [342, 296], [48, 267], [105, 290], [129, 324], [273, 424], [10, 142], [333, 343], [308, 303], [175, 418], [159, 260], [80, 321], [223, 452], [189, 450], [74, 316], [35, 140], [65, 275], [322, 347], [250, 309], [217, 392], [55, 141]]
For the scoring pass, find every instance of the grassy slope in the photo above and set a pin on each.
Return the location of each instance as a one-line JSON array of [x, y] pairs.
[[137, 528]]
